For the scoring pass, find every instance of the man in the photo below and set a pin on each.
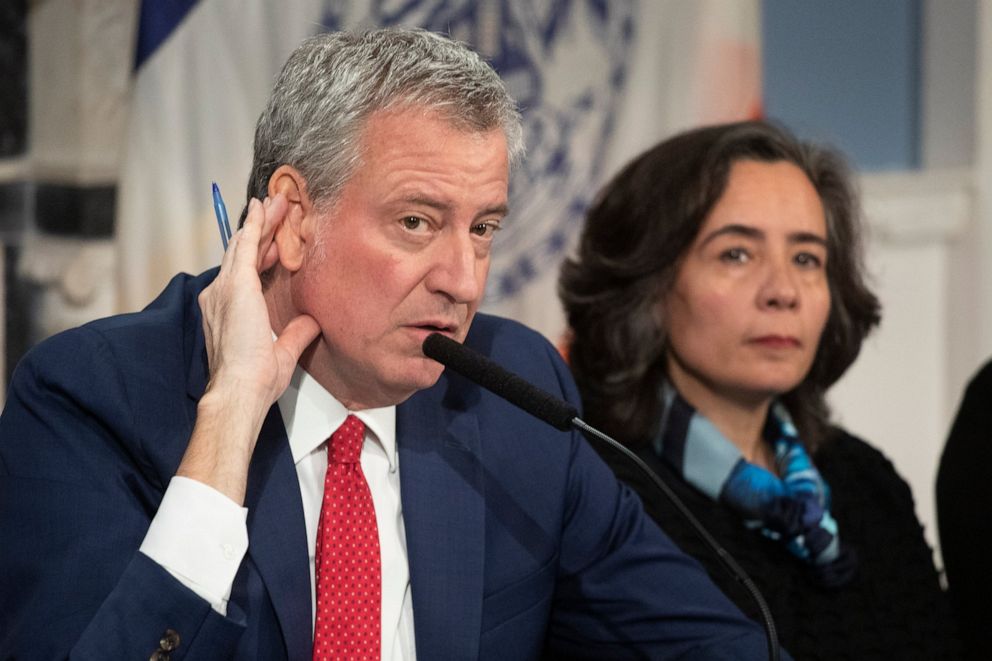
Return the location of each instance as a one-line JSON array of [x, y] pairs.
[[169, 479]]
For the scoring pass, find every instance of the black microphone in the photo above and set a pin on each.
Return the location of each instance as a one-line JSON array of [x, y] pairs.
[[562, 415], [476, 367]]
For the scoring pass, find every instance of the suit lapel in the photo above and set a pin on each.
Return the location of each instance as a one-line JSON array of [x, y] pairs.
[[444, 515], [277, 540]]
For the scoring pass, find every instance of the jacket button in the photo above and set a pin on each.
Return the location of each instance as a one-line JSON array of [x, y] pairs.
[[159, 655], [170, 640]]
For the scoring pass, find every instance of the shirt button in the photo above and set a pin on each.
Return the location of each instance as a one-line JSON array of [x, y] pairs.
[[228, 551]]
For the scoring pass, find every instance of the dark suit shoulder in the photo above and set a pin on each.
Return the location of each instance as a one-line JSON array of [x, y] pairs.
[[115, 387], [498, 337], [981, 382], [963, 494], [525, 352], [173, 310], [967, 450], [156, 343]]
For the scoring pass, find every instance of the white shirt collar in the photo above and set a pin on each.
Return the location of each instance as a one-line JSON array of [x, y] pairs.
[[311, 414]]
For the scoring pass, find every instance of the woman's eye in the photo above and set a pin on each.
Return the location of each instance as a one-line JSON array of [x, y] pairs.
[[735, 255], [808, 260]]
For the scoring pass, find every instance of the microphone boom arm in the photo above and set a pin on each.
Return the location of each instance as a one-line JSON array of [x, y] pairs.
[[563, 416]]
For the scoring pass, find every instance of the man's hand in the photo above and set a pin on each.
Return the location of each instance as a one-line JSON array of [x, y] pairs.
[[248, 370]]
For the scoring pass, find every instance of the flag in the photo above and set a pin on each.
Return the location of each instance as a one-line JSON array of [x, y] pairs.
[[597, 82], [204, 70], [680, 65]]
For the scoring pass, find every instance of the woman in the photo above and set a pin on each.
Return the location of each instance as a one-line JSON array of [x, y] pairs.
[[717, 292]]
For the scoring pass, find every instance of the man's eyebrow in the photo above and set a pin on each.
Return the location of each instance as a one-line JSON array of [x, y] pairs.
[[440, 205], [425, 201], [499, 210], [749, 232]]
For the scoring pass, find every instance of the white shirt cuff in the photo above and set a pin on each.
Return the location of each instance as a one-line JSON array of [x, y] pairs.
[[200, 536]]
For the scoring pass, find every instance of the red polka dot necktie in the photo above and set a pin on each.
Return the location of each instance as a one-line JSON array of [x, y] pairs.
[[348, 570]]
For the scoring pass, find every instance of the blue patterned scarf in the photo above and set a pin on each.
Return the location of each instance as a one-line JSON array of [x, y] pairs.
[[793, 509]]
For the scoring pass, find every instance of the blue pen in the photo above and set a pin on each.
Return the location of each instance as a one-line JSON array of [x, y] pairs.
[[221, 211]]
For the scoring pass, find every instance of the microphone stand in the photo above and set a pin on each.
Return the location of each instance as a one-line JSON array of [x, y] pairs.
[[728, 561], [563, 416]]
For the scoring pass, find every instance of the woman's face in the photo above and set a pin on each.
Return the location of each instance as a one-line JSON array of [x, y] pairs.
[[750, 298]]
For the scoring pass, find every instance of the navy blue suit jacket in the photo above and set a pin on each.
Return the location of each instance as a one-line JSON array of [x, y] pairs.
[[519, 538]]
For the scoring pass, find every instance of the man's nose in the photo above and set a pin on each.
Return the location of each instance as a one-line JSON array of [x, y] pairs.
[[458, 271]]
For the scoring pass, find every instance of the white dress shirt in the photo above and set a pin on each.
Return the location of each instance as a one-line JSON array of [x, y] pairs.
[[200, 536]]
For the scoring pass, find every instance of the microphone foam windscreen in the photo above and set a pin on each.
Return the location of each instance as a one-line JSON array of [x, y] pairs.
[[476, 367]]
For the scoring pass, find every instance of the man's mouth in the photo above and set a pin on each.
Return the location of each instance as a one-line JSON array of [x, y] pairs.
[[437, 327]]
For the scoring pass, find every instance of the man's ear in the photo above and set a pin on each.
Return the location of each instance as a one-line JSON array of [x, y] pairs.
[[296, 229]]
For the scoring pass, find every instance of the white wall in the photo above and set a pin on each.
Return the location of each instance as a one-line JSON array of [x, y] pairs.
[[901, 393], [931, 238]]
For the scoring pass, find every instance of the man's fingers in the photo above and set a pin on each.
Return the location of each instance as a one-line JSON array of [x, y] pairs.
[[297, 336], [245, 240], [269, 259], [275, 208]]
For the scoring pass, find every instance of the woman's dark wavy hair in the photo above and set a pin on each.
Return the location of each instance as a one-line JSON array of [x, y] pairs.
[[637, 231]]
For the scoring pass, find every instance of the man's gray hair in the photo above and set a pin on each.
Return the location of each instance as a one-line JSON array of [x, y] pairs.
[[332, 83]]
